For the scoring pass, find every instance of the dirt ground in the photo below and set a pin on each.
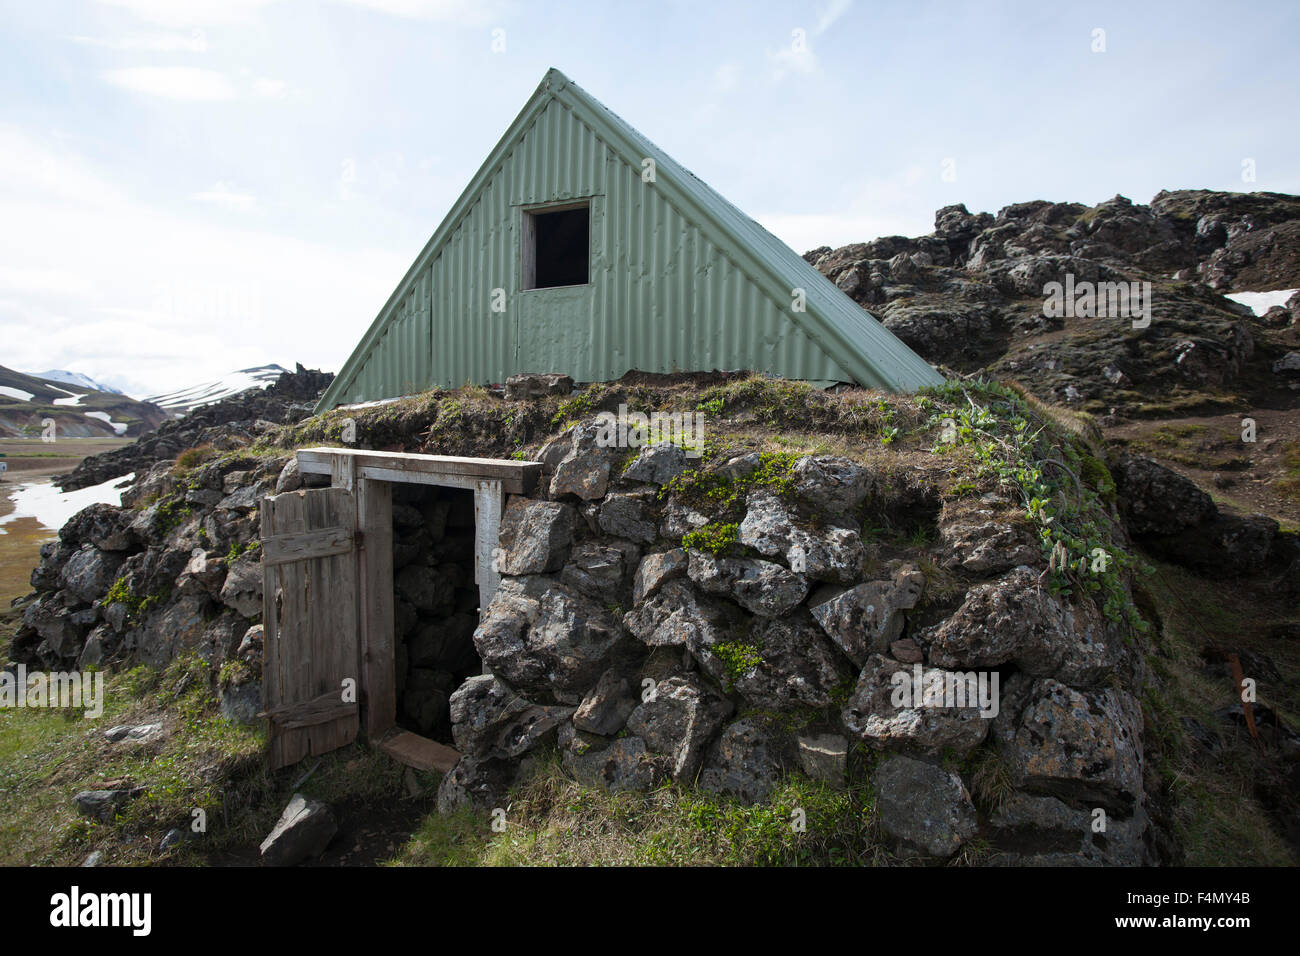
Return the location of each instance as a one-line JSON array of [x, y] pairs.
[[1245, 477]]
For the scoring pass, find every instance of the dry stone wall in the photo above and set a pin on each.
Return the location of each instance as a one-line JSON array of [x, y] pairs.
[[652, 642]]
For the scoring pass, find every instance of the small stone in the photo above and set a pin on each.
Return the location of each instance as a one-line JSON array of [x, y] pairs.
[[825, 757], [658, 464], [906, 651], [104, 804], [655, 570], [302, 833]]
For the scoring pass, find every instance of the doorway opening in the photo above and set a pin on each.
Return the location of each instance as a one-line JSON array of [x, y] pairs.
[[375, 585], [435, 604]]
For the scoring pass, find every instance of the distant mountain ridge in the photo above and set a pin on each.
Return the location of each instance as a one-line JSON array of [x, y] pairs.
[[27, 402], [76, 378], [185, 400]]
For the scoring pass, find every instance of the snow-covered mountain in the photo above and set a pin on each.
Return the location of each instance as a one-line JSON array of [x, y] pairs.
[[29, 402], [182, 402], [76, 378]]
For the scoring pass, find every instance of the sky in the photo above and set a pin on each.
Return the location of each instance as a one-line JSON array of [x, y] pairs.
[[189, 187]]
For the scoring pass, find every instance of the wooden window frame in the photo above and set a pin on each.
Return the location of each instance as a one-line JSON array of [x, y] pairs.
[[528, 242]]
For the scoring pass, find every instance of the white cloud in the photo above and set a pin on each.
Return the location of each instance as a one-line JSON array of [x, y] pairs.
[[804, 231], [465, 12], [726, 77], [97, 280], [834, 10], [192, 42], [270, 89], [192, 12], [223, 194], [173, 82]]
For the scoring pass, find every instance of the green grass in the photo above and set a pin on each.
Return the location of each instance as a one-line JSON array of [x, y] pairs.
[[1216, 815], [553, 820], [199, 761]]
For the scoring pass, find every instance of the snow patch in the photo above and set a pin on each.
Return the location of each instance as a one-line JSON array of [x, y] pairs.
[[52, 507], [76, 378], [108, 420], [17, 393], [1261, 302], [179, 403], [74, 400]]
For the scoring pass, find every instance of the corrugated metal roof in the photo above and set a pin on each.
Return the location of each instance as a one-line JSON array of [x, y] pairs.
[[681, 279]]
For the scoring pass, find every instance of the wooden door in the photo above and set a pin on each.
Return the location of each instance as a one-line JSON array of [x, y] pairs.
[[311, 674]]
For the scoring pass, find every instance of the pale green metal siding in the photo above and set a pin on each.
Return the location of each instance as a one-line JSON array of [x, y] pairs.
[[671, 288]]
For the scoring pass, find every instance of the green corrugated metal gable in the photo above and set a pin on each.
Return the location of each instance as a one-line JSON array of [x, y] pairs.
[[679, 278]]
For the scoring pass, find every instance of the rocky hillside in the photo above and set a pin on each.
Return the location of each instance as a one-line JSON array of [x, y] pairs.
[[971, 296], [222, 426], [28, 402]]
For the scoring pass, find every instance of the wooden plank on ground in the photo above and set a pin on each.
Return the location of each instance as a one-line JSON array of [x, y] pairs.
[[419, 752]]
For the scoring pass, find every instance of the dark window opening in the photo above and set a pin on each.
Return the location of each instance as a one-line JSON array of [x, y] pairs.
[[558, 248]]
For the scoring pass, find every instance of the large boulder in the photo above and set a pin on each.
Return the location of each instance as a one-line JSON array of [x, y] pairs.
[[54, 555], [242, 588], [980, 537], [658, 464], [488, 719], [535, 536], [481, 783], [796, 666], [834, 552], [601, 568], [678, 617], [621, 764], [760, 587], [926, 709], [584, 470], [1157, 500], [866, 619], [1017, 619], [105, 526], [171, 629], [628, 516], [678, 720], [1181, 523], [90, 572], [555, 644], [204, 574], [830, 484], [655, 570], [1082, 746], [605, 708], [54, 622], [1038, 829], [924, 806], [748, 760]]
